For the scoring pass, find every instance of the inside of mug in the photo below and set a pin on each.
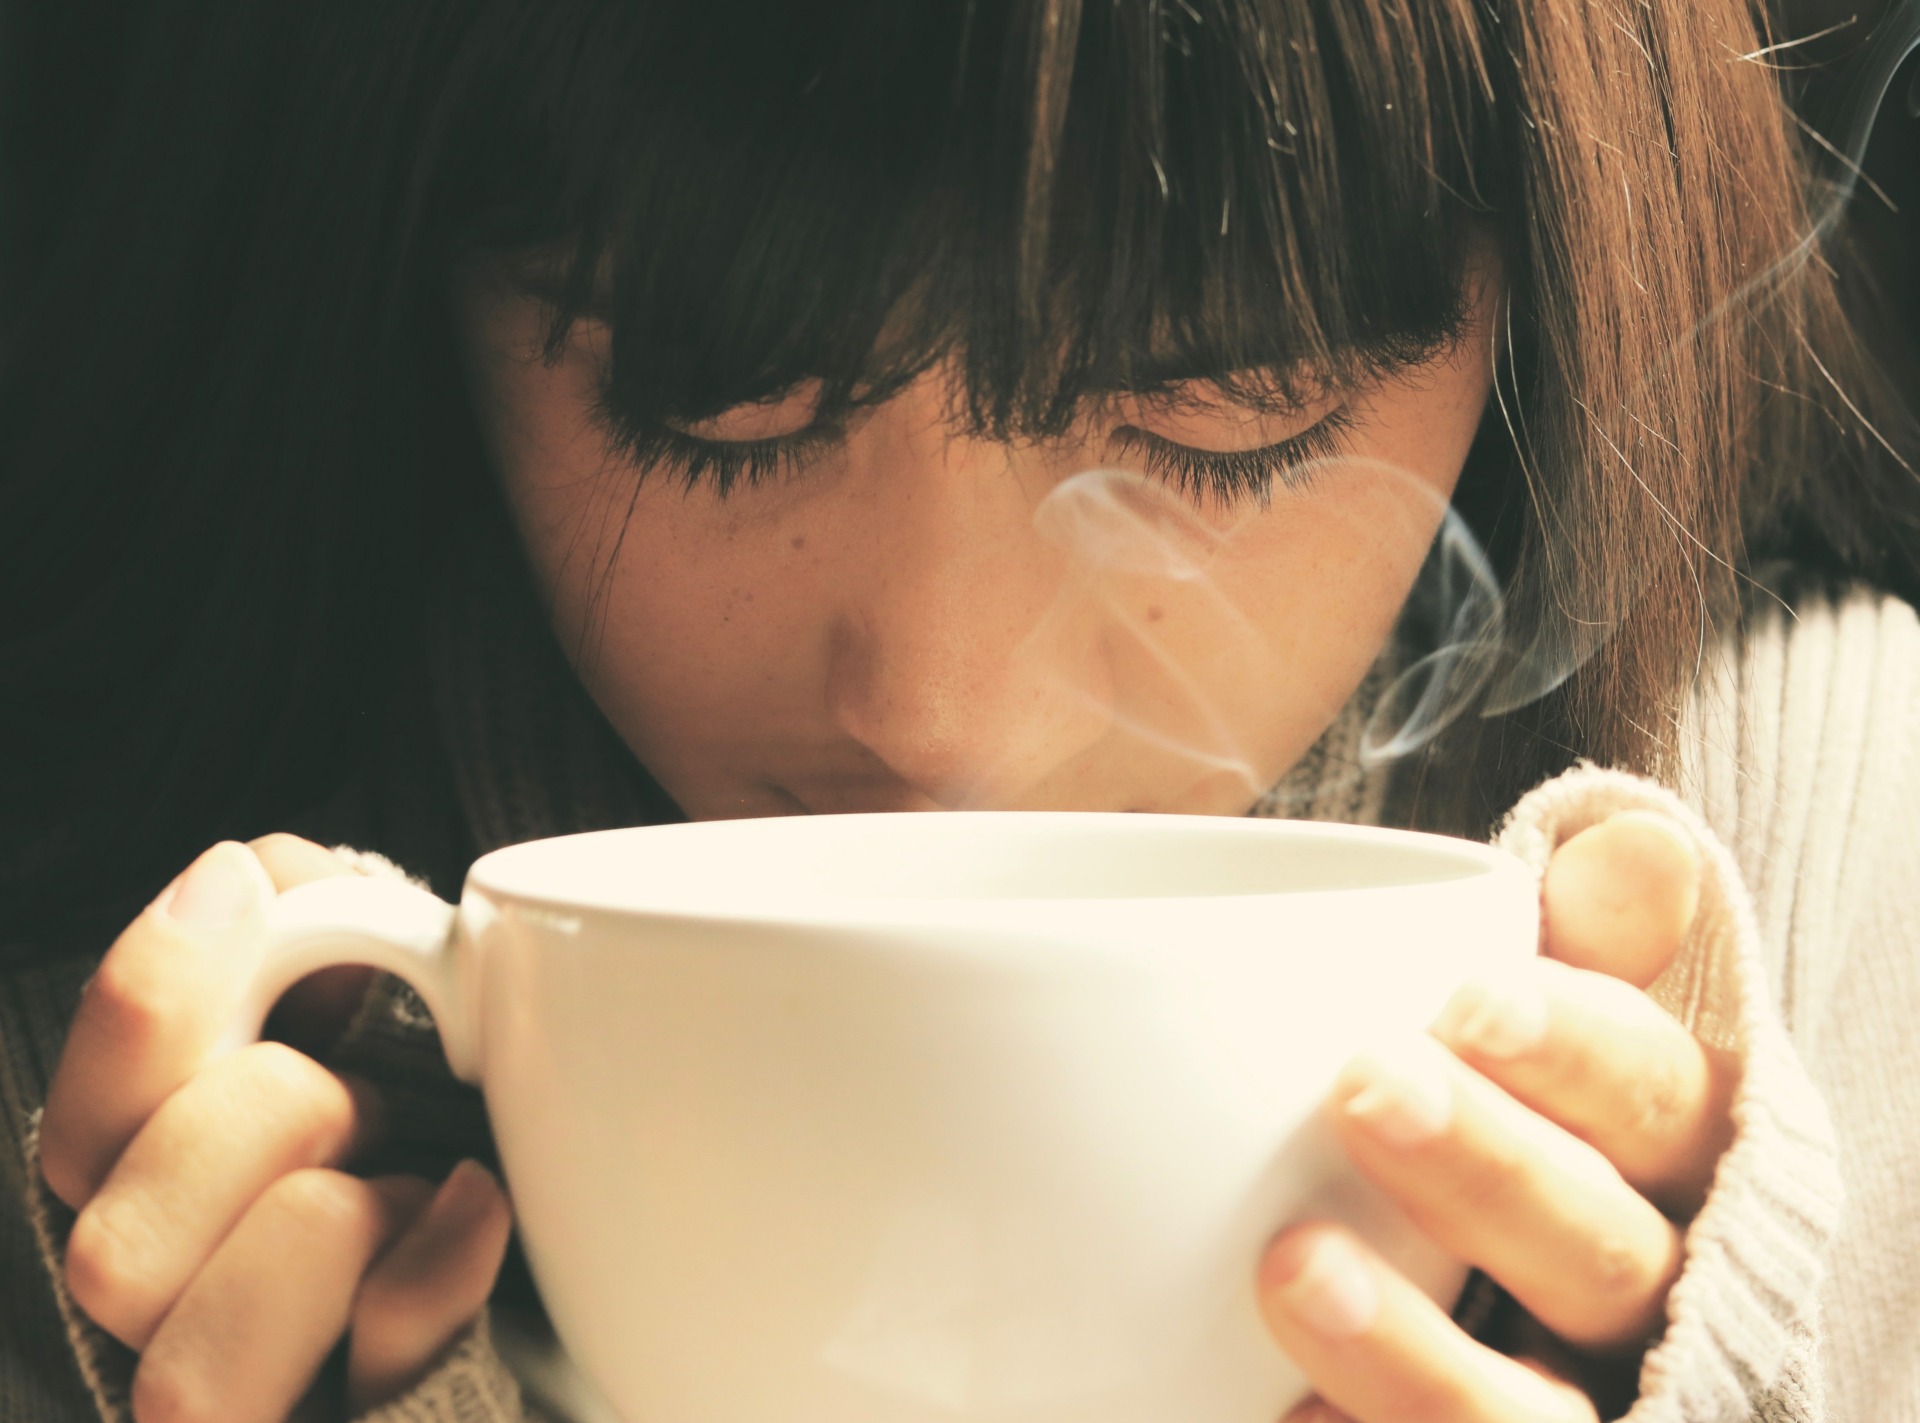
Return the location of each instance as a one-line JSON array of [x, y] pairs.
[[719, 866]]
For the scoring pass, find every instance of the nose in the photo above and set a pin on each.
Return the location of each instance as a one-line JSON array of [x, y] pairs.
[[961, 661]]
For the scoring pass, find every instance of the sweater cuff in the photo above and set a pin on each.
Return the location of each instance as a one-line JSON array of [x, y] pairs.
[[106, 1365], [469, 1385], [1742, 1338]]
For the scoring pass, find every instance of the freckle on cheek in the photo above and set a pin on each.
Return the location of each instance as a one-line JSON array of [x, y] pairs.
[[1155, 614], [799, 542]]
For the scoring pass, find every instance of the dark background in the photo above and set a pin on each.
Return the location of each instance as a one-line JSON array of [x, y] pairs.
[[60, 66]]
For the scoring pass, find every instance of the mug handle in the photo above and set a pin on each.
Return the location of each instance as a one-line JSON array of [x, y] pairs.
[[385, 923]]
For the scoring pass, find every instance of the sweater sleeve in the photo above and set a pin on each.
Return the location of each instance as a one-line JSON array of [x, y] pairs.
[[1743, 1337], [470, 1384], [1803, 752]]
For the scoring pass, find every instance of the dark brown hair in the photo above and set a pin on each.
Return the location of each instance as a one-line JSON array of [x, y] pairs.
[[232, 421]]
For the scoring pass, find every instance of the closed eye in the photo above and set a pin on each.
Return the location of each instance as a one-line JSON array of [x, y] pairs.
[[1225, 477], [698, 458]]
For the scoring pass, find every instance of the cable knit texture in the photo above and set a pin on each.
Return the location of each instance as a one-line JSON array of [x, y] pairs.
[[1798, 783], [1756, 1252]]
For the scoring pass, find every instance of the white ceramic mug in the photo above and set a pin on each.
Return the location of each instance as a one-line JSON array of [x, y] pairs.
[[928, 1118]]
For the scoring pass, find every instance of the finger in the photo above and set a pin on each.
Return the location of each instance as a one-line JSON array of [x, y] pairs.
[[290, 860], [428, 1287], [1619, 897], [1606, 1062], [160, 1000], [194, 1170], [251, 1332], [1380, 1351], [1613, 1384], [1500, 1186]]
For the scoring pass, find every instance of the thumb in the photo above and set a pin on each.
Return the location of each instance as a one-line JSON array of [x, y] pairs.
[[1619, 897], [416, 1300]]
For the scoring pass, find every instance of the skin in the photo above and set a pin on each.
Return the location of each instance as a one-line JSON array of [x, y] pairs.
[[892, 632], [218, 1232]]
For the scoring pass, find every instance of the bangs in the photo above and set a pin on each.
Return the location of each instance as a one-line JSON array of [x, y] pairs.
[[1061, 201]]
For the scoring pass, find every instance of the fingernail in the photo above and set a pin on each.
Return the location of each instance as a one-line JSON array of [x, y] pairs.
[[1496, 1020], [1407, 1099], [214, 892], [1331, 1291]]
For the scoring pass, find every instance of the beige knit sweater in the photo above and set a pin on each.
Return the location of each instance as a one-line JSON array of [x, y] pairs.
[[1801, 784]]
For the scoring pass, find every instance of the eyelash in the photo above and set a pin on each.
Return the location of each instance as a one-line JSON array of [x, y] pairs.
[[724, 464], [1227, 477], [1224, 477]]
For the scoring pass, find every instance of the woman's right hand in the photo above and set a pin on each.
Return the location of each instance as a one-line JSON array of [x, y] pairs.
[[218, 1233]]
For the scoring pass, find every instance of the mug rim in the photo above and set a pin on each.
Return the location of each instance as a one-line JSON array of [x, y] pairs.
[[503, 873]]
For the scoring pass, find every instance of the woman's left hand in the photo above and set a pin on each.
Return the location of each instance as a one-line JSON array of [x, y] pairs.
[[1557, 1129]]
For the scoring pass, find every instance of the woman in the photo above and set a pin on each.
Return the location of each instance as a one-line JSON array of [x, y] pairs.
[[529, 417]]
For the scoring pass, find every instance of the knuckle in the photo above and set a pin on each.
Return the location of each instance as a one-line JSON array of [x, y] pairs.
[[1620, 1277], [1660, 1101], [309, 1103], [292, 1101], [314, 1200], [104, 1270], [132, 997]]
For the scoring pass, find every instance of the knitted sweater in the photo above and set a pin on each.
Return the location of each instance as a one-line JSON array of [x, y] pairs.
[[1800, 783]]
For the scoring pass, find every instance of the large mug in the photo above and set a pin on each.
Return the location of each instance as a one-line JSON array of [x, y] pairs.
[[929, 1117]]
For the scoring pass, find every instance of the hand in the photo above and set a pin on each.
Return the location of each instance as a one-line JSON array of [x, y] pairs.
[[1557, 1129], [217, 1231]]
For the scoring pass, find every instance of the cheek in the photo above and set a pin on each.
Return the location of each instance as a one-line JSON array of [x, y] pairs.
[[705, 629], [1297, 609], [551, 463], [601, 544], [689, 635], [573, 507], [1302, 598], [702, 627]]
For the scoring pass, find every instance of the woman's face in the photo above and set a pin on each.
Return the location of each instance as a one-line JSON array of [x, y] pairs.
[[917, 619]]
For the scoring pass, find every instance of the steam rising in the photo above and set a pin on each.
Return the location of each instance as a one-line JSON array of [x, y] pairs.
[[1454, 650], [1132, 546], [1121, 533]]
